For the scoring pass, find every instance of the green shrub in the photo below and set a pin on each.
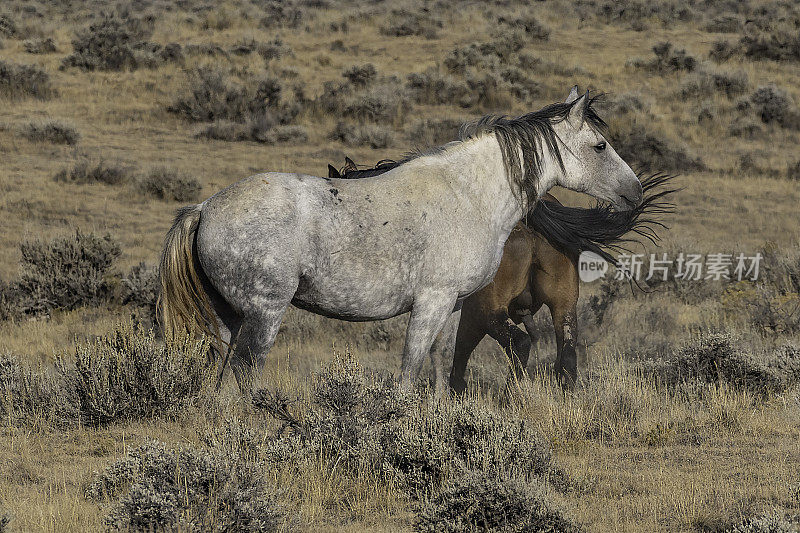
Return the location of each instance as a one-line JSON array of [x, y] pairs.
[[40, 46], [362, 422], [793, 171], [22, 81], [786, 361], [51, 131], [112, 43], [477, 501], [705, 83], [435, 442], [722, 51], [777, 45], [66, 273], [348, 407], [371, 135], [402, 22], [129, 375], [434, 132], [185, 489], [642, 146], [529, 24], [383, 101], [10, 301], [280, 14], [361, 75], [140, 288], [8, 27], [258, 104], [168, 184], [28, 397], [472, 55], [771, 522], [774, 105], [715, 358], [84, 171], [668, 59]]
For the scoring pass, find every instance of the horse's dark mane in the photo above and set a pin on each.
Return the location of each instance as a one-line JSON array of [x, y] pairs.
[[527, 134], [576, 229], [600, 228]]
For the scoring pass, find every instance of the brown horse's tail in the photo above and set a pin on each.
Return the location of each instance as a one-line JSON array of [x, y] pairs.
[[184, 307]]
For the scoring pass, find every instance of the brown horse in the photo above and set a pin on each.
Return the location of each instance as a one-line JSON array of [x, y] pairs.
[[540, 267], [532, 273]]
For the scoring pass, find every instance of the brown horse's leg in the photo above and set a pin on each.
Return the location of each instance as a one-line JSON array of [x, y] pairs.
[[530, 327], [470, 332], [566, 326], [515, 342]]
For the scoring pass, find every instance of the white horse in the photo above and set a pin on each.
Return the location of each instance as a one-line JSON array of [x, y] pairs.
[[418, 238]]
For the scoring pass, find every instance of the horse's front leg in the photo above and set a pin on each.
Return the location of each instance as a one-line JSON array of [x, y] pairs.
[[444, 349], [429, 315]]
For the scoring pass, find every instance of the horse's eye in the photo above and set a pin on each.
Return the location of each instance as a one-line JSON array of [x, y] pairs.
[[599, 147]]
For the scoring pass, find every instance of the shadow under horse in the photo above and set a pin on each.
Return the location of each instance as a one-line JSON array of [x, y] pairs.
[[540, 268]]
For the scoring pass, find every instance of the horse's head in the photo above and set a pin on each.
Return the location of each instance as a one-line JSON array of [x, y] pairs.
[[590, 163]]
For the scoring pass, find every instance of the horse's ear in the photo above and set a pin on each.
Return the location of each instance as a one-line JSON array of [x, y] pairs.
[[578, 111], [349, 165], [573, 95], [333, 173]]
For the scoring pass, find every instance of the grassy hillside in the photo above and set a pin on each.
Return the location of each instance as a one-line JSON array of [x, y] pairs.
[[116, 114]]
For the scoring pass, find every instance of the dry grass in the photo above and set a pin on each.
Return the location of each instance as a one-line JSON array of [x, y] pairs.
[[640, 456]]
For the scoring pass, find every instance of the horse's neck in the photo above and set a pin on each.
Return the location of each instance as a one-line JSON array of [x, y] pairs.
[[475, 170], [478, 167]]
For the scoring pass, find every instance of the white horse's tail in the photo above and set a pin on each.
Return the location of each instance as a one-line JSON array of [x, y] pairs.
[[183, 304]]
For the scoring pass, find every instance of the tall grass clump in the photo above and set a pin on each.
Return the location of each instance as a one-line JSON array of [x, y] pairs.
[[66, 273], [158, 488], [129, 374], [668, 59], [256, 109], [403, 23], [51, 131], [24, 81], [361, 428], [650, 148], [40, 46], [116, 43], [717, 358], [85, 171], [477, 501], [169, 184], [33, 397]]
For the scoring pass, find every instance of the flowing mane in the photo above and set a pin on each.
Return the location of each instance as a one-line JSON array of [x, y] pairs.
[[576, 229], [526, 134]]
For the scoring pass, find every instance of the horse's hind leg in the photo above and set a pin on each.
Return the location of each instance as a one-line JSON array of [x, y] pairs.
[[566, 326], [471, 329], [253, 343], [260, 323], [563, 303], [515, 342]]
